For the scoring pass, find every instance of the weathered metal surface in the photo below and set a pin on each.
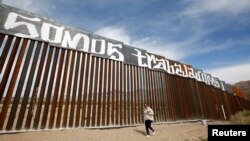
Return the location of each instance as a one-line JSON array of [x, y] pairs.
[[28, 25], [45, 87]]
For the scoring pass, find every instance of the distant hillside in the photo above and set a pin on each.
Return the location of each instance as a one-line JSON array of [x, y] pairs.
[[244, 86]]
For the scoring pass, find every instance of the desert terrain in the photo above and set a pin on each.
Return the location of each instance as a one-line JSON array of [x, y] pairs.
[[172, 131]]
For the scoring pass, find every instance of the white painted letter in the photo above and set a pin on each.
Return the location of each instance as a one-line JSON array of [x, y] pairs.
[[72, 43], [93, 46], [12, 23], [151, 58], [190, 72], [112, 48], [139, 58], [170, 68], [46, 30], [178, 70], [160, 64]]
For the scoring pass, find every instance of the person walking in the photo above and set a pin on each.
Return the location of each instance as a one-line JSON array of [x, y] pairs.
[[148, 118]]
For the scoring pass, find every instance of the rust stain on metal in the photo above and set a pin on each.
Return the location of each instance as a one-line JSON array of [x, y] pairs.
[[46, 87]]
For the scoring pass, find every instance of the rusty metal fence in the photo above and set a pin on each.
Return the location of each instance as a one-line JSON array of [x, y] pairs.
[[44, 87]]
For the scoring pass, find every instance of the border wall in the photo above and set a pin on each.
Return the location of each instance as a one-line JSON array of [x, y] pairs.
[[55, 76]]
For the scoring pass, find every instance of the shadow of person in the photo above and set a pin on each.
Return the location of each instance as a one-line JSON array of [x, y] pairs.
[[139, 131]]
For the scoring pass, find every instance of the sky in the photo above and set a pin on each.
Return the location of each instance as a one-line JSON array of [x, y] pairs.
[[211, 35]]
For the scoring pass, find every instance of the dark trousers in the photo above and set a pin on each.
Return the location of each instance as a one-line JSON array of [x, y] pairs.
[[148, 126]]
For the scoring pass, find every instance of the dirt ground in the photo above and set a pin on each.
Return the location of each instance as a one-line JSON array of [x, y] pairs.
[[181, 131]]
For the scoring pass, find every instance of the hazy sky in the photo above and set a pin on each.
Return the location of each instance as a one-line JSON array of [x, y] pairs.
[[212, 35]]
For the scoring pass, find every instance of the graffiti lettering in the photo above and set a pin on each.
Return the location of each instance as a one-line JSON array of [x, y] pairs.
[[26, 25], [58, 35]]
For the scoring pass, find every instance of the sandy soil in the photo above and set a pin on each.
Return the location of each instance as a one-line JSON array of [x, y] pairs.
[[184, 131]]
